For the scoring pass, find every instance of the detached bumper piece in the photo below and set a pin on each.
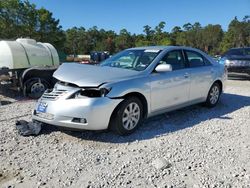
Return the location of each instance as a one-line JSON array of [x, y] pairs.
[[28, 128]]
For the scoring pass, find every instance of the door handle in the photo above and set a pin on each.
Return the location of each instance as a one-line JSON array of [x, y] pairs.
[[186, 75]]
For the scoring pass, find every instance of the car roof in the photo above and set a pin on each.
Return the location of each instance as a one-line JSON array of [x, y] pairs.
[[239, 48], [163, 48]]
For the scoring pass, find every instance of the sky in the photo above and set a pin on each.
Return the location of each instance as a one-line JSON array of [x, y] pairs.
[[134, 14]]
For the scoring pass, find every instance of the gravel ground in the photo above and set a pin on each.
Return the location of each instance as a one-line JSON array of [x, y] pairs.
[[192, 147]]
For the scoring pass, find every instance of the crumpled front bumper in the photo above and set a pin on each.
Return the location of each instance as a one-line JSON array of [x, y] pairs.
[[95, 113]]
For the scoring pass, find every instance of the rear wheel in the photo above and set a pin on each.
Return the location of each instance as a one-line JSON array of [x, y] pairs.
[[35, 87], [127, 117], [213, 95]]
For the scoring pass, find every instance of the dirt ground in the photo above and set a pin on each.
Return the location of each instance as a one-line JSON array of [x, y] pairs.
[[191, 147]]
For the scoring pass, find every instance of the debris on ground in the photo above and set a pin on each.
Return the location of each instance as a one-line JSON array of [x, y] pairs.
[[28, 128]]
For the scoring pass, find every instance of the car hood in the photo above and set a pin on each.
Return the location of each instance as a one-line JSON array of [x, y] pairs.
[[84, 75]]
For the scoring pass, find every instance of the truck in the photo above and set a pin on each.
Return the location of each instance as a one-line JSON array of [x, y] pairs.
[[27, 66]]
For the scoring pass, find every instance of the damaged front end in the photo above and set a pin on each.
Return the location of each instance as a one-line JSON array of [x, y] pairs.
[[91, 92], [69, 105], [61, 88]]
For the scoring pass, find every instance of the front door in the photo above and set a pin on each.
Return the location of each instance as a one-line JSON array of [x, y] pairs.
[[169, 89]]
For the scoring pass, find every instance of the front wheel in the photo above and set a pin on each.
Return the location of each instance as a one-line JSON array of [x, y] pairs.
[[213, 95], [127, 117]]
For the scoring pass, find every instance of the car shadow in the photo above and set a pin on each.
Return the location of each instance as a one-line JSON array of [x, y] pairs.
[[169, 122]]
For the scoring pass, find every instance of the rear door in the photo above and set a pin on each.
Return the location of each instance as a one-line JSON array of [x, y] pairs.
[[169, 89], [201, 71]]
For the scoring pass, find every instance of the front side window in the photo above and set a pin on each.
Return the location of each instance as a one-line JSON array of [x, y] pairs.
[[137, 60], [195, 59], [175, 59]]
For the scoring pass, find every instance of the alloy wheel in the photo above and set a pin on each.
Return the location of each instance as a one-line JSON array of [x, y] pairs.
[[214, 94], [131, 116]]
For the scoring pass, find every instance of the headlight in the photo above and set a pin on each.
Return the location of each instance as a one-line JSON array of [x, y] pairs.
[[222, 61], [227, 62], [91, 92]]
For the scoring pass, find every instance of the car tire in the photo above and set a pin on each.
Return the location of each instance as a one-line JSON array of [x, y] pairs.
[[127, 117], [35, 87], [213, 95]]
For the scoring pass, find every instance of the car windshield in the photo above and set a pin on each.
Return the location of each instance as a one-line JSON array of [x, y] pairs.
[[247, 51], [137, 60], [239, 51]]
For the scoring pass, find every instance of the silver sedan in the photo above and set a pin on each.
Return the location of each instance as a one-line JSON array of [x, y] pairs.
[[129, 87]]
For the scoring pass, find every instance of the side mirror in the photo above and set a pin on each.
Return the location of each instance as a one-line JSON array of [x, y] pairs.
[[163, 68]]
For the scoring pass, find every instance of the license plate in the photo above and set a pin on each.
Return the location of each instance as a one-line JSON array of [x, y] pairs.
[[45, 115], [42, 107]]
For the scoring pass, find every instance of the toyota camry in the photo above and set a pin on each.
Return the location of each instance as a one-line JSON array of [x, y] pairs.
[[129, 87]]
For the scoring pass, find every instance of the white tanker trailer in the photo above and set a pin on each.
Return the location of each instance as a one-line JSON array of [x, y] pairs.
[[28, 65]]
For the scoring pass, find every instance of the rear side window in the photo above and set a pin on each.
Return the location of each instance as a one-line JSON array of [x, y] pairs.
[[174, 58], [196, 60]]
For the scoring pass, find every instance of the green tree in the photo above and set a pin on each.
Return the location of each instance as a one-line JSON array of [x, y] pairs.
[[187, 26], [71, 44], [124, 40], [109, 41], [161, 37], [238, 34], [191, 35], [148, 32], [159, 28], [10, 20], [22, 19], [211, 37], [140, 40], [175, 32]]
